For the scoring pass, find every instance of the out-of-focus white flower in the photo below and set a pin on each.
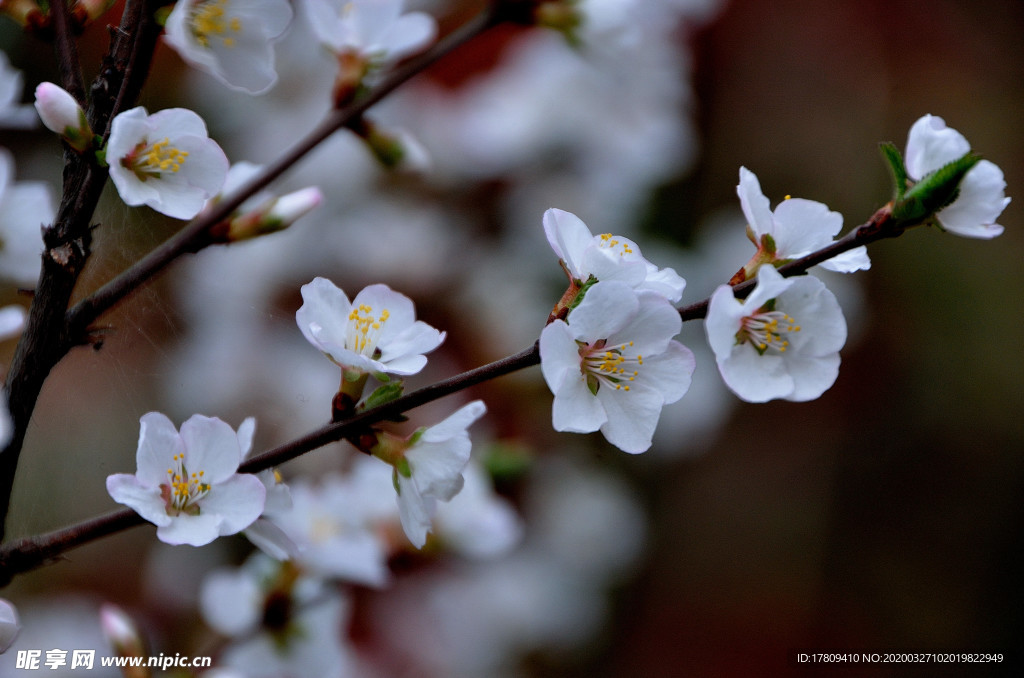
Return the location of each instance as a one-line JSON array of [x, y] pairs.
[[428, 468], [165, 160], [12, 321], [375, 332], [981, 198], [782, 341], [187, 484], [230, 39], [25, 207], [264, 533], [796, 228], [121, 631], [606, 257], [477, 522], [13, 115], [374, 29], [334, 531], [10, 625], [614, 364], [284, 623], [60, 113]]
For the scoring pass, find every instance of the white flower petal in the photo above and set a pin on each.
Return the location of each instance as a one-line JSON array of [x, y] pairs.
[[212, 447], [192, 530], [931, 144], [159, 442], [981, 200], [144, 500], [756, 207], [238, 501]]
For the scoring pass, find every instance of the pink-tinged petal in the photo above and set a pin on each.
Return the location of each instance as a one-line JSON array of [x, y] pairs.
[[456, 423], [669, 373], [239, 501], [325, 307], [853, 260], [144, 500], [211, 448], [931, 144], [569, 237], [803, 226], [409, 34], [576, 409], [980, 202], [606, 308], [414, 511], [632, 417], [755, 378], [756, 207], [812, 375], [437, 467], [159, 442], [192, 530], [559, 355]]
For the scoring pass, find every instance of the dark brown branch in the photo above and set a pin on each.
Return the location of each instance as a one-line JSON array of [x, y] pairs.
[[66, 243], [195, 235], [27, 554]]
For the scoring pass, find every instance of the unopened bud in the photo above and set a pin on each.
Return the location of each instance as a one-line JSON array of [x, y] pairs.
[[397, 150], [274, 215], [124, 637], [61, 114], [25, 12]]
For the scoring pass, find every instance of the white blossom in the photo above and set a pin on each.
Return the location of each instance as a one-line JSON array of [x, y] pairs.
[[376, 332], [782, 341], [373, 29], [166, 161], [230, 39], [614, 364], [981, 198], [61, 113], [187, 483], [794, 229], [606, 257]]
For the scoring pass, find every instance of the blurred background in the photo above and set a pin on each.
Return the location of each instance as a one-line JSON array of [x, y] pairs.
[[884, 516]]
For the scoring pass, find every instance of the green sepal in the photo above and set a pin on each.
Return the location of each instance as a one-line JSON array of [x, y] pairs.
[[590, 282], [507, 460], [403, 468], [593, 384], [384, 393], [161, 14], [101, 153], [933, 192], [899, 170], [768, 244]]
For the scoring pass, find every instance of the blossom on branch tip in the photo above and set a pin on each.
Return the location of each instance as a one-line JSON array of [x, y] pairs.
[[782, 341], [796, 228], [166, 161], [614, 365], [230, 39], [428, 468], [377, 332], [187, 483], [606, 257], [981, 197], [61, 113]]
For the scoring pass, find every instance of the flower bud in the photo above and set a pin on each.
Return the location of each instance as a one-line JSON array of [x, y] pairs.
[[61, 114], [274, 215], [123, 636]]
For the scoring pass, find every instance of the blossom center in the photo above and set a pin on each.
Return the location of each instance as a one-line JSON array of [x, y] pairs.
[[767, 330], [611, 367], [607, 241], [210, 20], [364, 329], [184, 489], [154, 160]]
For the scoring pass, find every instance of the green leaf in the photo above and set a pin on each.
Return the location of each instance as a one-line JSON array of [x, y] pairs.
[[933, 192], [899, 170]]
